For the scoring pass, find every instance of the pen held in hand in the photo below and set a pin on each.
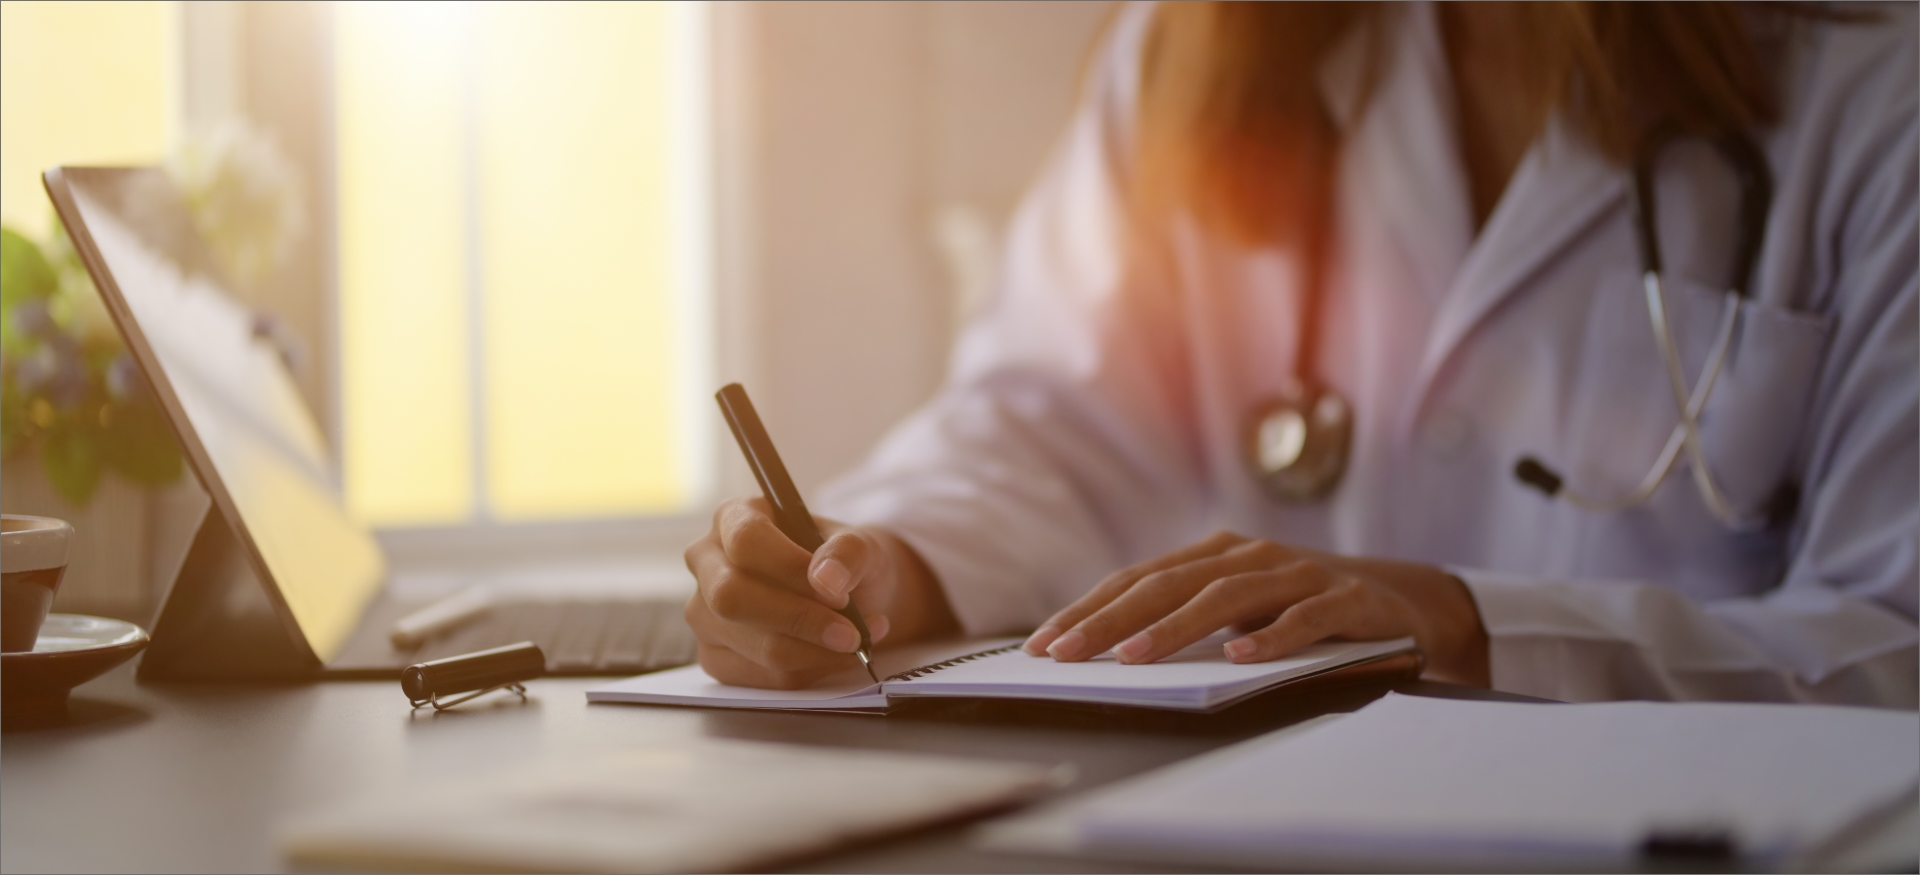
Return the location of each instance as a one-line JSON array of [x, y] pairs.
[[789, 511]]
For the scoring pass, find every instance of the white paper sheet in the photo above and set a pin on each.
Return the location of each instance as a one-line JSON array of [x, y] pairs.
[[1197, 677], [697, 806], [1421, 783]]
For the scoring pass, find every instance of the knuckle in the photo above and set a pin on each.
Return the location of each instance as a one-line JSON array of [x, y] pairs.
[[724, 670], [1100, 625], [766, 651], [1158, 581], [1268, 552], [781, 679], [750, 534], [1315, 617], [1118, 582], [730, 515], [728, 597], [780, 654], [799, 624], [1240, 584], [851, 552], [1301, 569], [704, 548]]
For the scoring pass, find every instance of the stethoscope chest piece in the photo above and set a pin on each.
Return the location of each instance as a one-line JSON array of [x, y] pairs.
[[1296, 441]]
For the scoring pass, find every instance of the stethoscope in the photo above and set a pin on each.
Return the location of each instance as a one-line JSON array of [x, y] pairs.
[[1297, 441]]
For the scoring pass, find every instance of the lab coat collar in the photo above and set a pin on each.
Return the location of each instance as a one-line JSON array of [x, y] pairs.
[[1405, 144], [1561, 189]]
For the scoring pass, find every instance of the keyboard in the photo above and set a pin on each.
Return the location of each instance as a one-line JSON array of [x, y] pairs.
[[579, 637]]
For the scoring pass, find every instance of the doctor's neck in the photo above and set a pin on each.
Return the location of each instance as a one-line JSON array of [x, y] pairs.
[[1505, 82], [1233, 128]]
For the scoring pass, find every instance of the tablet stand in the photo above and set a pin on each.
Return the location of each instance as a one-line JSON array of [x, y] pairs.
[[216, 621]]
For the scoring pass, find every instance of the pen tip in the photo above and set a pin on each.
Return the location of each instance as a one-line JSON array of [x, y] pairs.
[[867, 661]]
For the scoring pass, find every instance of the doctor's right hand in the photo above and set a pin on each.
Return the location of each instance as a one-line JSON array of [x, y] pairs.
[[765, 611]]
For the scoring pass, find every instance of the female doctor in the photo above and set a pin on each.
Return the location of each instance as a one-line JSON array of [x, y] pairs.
[[1305, 284]]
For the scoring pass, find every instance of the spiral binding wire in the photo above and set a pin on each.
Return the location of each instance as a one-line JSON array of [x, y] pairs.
[[910, 674]]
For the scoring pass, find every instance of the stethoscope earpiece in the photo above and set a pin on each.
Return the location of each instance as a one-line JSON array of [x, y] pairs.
[[1530, 471]]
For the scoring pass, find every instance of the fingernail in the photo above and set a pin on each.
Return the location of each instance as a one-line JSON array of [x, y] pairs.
[[841, 637], [878, 626], [1067, 646], [1240, 648], [833, 576], [1133, 649], [1037, 642]]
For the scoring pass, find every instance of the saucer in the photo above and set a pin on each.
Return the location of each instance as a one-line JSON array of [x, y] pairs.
[[72, 649]]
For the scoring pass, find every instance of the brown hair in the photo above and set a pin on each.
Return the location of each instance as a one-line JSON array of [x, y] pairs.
[[1233, 130]]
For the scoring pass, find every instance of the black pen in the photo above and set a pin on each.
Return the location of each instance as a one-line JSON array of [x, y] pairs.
[[789, 511]]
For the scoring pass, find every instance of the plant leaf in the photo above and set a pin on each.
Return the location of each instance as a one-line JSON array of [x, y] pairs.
[[25, 273], [140, 446], [14, 430], [72, 457]]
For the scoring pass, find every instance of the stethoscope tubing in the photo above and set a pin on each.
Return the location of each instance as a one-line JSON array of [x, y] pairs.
[[1756, 195], [1313, 468], [1686, 433]]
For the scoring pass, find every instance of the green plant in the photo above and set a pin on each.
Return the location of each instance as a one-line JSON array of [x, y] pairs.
[[69, 390]]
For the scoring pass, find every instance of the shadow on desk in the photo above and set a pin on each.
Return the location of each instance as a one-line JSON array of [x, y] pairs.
[[1263, 713], [81, 716], [956, 719]]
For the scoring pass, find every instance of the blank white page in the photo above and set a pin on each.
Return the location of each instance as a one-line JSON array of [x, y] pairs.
[[1197, 677], [691, 685], [1418, 781]]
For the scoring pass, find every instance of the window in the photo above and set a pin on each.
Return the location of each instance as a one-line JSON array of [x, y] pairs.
[[523, 248], [82, 83]]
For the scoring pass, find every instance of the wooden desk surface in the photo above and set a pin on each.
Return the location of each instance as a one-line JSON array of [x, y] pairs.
[[196, 777]]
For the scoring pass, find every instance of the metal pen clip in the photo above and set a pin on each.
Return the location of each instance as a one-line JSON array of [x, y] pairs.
[[444, 683]]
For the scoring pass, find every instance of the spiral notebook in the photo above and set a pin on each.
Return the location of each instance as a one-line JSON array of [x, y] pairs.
[[1198, 678]]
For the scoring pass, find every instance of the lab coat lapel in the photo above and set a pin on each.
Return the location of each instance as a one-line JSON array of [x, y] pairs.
[[1404, 146], [1561, 189]]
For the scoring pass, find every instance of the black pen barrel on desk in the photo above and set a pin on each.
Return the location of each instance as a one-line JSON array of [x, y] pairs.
[[473, 671]]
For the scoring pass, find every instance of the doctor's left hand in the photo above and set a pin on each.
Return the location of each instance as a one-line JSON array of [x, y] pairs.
[[1280, 598]]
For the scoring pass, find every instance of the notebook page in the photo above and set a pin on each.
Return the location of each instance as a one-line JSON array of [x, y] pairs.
[[1196, 677], [1478, 785], [849, 690], [691, 685]]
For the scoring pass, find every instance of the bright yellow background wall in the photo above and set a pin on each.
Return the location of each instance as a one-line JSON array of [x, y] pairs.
[[400, 143], [575, 248], [81, 83], [514, 154]]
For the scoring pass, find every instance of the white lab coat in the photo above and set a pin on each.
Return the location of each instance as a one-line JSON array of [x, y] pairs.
[[1093, 414]]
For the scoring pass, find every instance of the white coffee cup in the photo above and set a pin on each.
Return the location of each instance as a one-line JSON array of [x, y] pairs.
[[33, 558]]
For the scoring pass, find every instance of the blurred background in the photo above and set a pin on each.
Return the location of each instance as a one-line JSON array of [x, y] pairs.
[[510, 249]]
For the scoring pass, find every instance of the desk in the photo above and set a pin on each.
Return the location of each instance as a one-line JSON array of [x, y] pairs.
[[195, 777]]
